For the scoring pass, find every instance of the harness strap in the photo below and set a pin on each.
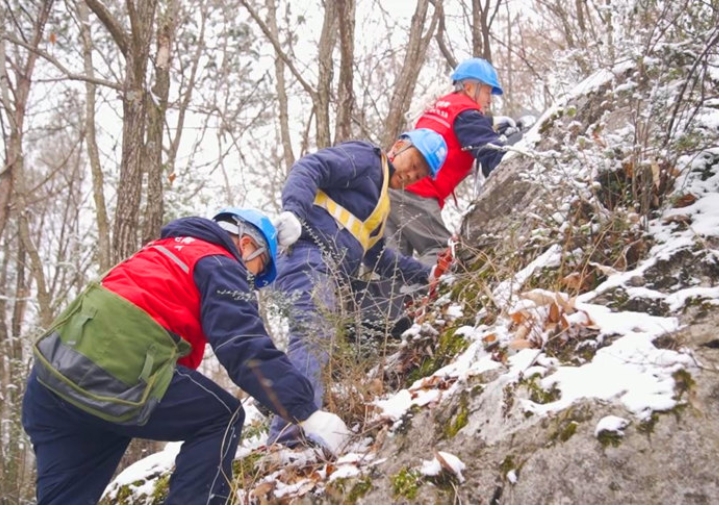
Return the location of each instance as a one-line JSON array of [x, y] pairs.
[[147, 366], [369, 231]]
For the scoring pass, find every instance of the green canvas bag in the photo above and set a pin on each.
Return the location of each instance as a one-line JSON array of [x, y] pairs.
[[108, 357]]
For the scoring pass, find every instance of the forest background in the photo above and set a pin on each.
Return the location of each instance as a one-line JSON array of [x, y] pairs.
[[119, 116]]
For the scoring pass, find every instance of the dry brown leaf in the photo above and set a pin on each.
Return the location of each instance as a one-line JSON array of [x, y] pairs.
[[550, 327], [539, 297], [489, 339], [376, 387], [443, 463], [291, 474], [567, 305], [678, 218], [685, 200], [429, 382], [304, 489], [554, 312], [604, 269], [500, 355], [262, 491], [519, 317], [572, 281], [628, 167], [563, 322], [589, 323], [436, 382], [595, 136], [523, 331], [656, 174], [520, 344], [621, 263], [328, 471]]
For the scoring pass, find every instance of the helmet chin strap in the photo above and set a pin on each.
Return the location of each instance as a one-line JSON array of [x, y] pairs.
[[254, 254], [477, 89]]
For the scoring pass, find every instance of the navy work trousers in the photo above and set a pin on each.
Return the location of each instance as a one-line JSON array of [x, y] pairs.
[[78, 453], [305, 279], [415, 225]]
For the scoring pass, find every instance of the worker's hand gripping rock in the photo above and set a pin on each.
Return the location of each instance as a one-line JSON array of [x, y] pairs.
[[504, 125], [444, 264], [327, 430]]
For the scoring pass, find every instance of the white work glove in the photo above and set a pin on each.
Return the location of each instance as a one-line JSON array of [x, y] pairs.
[[504, 125], [288, 228], [526, 121], [327, 430]]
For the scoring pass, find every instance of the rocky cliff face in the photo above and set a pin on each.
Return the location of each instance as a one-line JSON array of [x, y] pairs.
[[635, 229]]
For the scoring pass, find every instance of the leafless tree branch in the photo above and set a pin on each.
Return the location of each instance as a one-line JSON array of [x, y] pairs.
[[54, 61]]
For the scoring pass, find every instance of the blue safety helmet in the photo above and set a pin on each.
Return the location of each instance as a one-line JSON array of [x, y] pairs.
[[260, 223], [431, 145], [479, 70]]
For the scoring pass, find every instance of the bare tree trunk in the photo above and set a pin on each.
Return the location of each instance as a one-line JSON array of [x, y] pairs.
[[440, 36], [12, 188], [43, 297], [135, 46], [5, 366], [483, 15], [281, 88], [134, 131], [478, 48], [345, 95], [13, 458], [15, 110], [407, 80], [580, 5], [157, 107], [609, 24], [508, 97], [98, 179], [328, 38]]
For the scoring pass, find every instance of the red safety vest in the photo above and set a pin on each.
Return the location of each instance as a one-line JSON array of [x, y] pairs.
[[440, 118], [159, 280]]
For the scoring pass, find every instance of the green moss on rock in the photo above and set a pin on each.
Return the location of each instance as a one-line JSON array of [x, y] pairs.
[[458, 419], [683, 383], [162, 487], [538, 394], [406, 483], [448, 346], [609, 437]]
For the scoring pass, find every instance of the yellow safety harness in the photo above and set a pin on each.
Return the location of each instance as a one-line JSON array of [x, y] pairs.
[[369, 231]]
